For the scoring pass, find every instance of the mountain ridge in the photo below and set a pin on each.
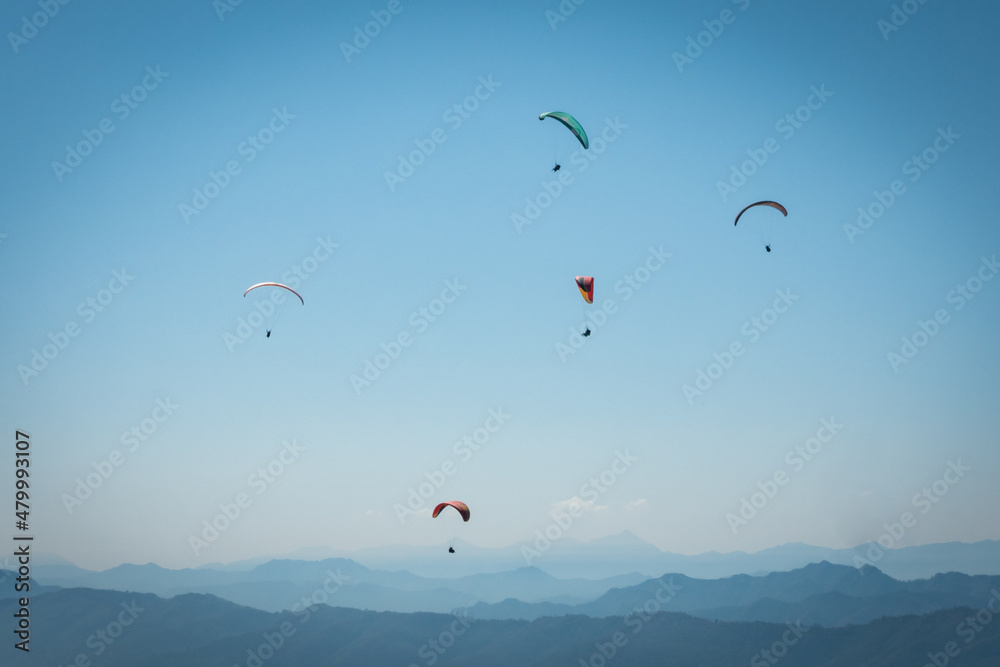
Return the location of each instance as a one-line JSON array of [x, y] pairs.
[[202, 631]]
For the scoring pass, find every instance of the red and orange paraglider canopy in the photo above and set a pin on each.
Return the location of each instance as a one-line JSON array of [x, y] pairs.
[[586, 285], [772, 204], [461, 507]]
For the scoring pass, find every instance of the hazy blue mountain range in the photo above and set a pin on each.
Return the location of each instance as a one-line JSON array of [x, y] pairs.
[[281, 584], [821, 594], [625, 553], [113, 629], [617, 555], [8, 581]]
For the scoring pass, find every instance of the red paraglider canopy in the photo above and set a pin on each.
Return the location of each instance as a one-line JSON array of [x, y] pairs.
[[462, 508]]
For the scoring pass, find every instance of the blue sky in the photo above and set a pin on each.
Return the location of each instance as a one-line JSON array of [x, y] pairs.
[[321, 180]]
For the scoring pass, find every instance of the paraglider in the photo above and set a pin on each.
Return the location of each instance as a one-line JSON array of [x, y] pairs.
[[460, 507], [772, 204], [569, 122], [259, 285]]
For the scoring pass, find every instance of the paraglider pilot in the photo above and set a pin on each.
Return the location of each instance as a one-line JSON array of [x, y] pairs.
[[269, 331], [586, 333], [557, 167], [451, 550], [767, 248]]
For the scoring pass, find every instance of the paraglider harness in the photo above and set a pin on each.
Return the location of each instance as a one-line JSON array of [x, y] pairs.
[[586, 333], [451, 550], [557, 167]]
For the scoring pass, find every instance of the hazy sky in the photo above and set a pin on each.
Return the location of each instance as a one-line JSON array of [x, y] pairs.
[[254, 145]]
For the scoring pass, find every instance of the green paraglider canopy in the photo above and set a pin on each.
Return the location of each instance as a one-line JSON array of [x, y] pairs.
[[569, 122]]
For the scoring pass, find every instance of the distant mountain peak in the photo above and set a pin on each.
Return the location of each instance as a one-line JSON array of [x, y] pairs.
[[823, 565], [135, 567], [532, 572]]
